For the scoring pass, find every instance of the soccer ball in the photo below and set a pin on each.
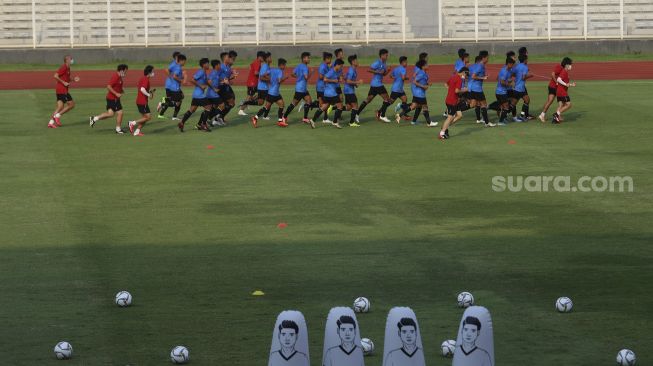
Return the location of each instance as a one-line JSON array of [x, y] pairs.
[[448, 347], [465, 299], [626, 357], [564, 304], [123, 298], [368, 346], [63, 350], [361, 305], [179, 355]]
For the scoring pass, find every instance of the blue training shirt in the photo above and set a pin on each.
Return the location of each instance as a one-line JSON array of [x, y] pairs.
[[422, 78], [214, 78], [398, 74], [504, 75], [458, 65], [174, 69], [201, 78], [301, 72], [265, 69], [225, 73], [479, 70], [520, 71], [377, 79], [352, 74], [322, 70], [276, 74], [330, 88]]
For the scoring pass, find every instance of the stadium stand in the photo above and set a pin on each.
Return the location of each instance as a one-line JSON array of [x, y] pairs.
[[160, 22]]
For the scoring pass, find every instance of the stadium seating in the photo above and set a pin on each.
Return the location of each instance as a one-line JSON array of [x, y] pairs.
[[202, 20]]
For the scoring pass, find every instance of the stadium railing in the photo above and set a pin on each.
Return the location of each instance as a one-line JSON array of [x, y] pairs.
[[109, 23]]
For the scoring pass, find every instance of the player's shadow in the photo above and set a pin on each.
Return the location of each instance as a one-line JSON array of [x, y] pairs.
[[572, 117], [163, 127], [467, 129]]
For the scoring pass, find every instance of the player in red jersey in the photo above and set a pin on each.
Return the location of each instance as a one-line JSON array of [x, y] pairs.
[[553, 88], [252, 82], [564, 102], [143, 94], [65, 102], [454, 114], [114, 107]]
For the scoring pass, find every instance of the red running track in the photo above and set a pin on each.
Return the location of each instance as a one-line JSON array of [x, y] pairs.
[[631, 70]]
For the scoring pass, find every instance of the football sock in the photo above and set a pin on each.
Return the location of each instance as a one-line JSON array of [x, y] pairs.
[[427, 117], [337, 115], [504, 114], [262, 112], [477, 110], [484, 113], [524, 109], [267, 111], [418, 111], [288, 110], [177, 108], [362, 106], [280, 113], [186, 116], [352, 118], [384, 107]]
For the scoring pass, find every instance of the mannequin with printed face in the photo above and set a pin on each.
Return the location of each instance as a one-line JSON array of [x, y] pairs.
[[342, 339], [289, 341]]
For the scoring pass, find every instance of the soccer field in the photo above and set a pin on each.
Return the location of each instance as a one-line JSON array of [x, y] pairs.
[[189, 224]]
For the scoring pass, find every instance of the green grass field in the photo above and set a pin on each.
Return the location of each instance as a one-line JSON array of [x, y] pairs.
[[383, 211], [244, 62]]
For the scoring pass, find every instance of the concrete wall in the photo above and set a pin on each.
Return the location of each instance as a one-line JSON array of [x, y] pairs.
[[134, 54]]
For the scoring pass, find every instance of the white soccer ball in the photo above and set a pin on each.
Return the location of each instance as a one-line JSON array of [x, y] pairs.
[[564, 304], [626, 357], [448, 347], [179, 355], [368, 346], [63, 350], [465, 299], [361, 305], [123, 298]]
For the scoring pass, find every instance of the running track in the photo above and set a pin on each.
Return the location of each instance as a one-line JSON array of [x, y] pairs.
[[631, 70]]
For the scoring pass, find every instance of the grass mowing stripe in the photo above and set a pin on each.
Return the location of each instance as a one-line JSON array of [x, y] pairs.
[[382, 211]]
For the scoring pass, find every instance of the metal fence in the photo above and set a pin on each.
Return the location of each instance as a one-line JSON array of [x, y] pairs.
[[108, 23]]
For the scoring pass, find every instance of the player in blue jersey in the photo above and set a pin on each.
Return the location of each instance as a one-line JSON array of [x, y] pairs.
[[522, 73], [302, 73], [505, 82], [339, 54], [351, 83], [264, 81], [331, 81], [174, 94], [477, 75], [419, 85], [201, 82], [399, 76], [227, 75], [274, 95], [213, 91], [319, 86], [378, 69]]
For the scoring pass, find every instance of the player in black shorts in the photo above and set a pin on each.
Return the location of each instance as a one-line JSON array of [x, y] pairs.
[[378, 69], [174, 93], [351, 83], [114, 93]]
